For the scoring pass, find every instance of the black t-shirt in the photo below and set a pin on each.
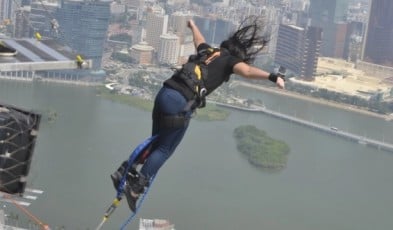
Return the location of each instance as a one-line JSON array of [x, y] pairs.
[[220, 69]]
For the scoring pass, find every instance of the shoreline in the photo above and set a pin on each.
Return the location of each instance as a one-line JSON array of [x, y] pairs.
[[314, 100], [50, 80], [236, 83]]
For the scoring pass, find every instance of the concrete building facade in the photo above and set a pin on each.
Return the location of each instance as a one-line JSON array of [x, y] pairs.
[[298, 50], [142, 53], [156, 25], [169, 49], [22, 28], [331, 16], [84, 26], [379, 36]]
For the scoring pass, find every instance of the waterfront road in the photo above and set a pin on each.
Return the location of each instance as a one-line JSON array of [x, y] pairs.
[[323, 128]]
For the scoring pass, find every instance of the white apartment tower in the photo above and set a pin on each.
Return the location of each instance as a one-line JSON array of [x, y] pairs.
[[178, 25], [169, 49], [156, 25]]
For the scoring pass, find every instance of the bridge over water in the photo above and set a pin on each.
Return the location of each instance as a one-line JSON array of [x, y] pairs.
[[323, 128]]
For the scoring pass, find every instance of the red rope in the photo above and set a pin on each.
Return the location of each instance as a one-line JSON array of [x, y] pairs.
[[34, 218]]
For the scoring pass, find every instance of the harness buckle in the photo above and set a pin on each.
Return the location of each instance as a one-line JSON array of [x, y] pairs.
[[202, 92]]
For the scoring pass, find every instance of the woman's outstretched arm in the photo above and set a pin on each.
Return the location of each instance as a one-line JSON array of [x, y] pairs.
[[247, 71], [197, 35]]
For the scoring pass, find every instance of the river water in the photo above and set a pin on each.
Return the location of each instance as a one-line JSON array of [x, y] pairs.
[[329, 183]]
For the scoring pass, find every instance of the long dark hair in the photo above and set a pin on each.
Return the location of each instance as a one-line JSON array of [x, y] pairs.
[[250, 38]]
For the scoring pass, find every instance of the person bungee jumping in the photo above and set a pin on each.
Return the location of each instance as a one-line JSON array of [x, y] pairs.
[[185, 91]]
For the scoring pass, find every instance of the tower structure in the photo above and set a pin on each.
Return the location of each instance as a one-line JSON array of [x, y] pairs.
[[331, 16], [84, 26], [298, 49], [378, 47]]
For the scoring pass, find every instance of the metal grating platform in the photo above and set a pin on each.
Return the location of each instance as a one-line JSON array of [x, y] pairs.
[[36, 55]]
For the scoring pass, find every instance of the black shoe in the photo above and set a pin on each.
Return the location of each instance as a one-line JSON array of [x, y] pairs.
[[132, 176], [131, 200], [6, 51], [136, 184], [116, 178]]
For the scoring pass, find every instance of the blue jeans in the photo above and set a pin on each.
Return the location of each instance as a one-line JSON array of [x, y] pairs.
[[167, 102]]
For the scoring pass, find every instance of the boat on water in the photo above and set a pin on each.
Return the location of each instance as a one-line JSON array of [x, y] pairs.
[[362, 142]]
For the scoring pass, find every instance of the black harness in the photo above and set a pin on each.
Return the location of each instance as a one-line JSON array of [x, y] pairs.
[[190, 82]]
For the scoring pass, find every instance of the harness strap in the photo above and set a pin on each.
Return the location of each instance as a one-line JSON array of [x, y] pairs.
[[174, 121], [190, 79], [212, 57], [190, 107], [179, 120]]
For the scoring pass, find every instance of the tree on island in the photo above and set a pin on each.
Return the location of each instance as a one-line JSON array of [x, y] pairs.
[[260, 149]]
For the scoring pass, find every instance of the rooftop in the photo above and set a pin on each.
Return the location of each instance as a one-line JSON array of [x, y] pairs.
[[33, 55]]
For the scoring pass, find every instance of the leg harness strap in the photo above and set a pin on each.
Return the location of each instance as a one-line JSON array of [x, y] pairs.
[[178, 120], [174, 121]]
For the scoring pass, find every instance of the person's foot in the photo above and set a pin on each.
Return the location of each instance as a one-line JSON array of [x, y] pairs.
[[132, 198], [136, 185], [116, 178], [132, 176]]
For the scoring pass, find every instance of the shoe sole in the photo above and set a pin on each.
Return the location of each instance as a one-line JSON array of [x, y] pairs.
[[115, 181], [130, 199]]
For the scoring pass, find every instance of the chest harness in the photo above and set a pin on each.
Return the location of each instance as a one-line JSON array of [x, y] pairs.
[[190, 81]]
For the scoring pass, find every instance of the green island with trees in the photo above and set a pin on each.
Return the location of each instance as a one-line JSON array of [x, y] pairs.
[[260, 149]]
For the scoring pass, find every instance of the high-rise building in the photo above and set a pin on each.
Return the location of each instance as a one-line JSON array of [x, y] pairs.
[[207, 26], [22, 28], [215, 30], [322, 11], [281, 3], [289, 49], [133, 3], [354, 41], [40, 17], [7, 8], [169, 49], [142, 53], [156, 25], [222, 29], [135, 7], [330, 16], [84, 26], [379, 36], [178, 25], [299, 5], [298, 49], [312, 45], [272, 20]]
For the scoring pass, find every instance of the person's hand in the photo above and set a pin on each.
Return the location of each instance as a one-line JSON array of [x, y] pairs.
[[280, 83], [190, 24]]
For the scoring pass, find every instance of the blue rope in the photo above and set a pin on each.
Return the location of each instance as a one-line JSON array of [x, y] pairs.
[[137, 151], [131, 217], [134, 155]]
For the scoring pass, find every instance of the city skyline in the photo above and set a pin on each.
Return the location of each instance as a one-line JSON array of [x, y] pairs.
[[379, 38], [339, 35], [352, 77]]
